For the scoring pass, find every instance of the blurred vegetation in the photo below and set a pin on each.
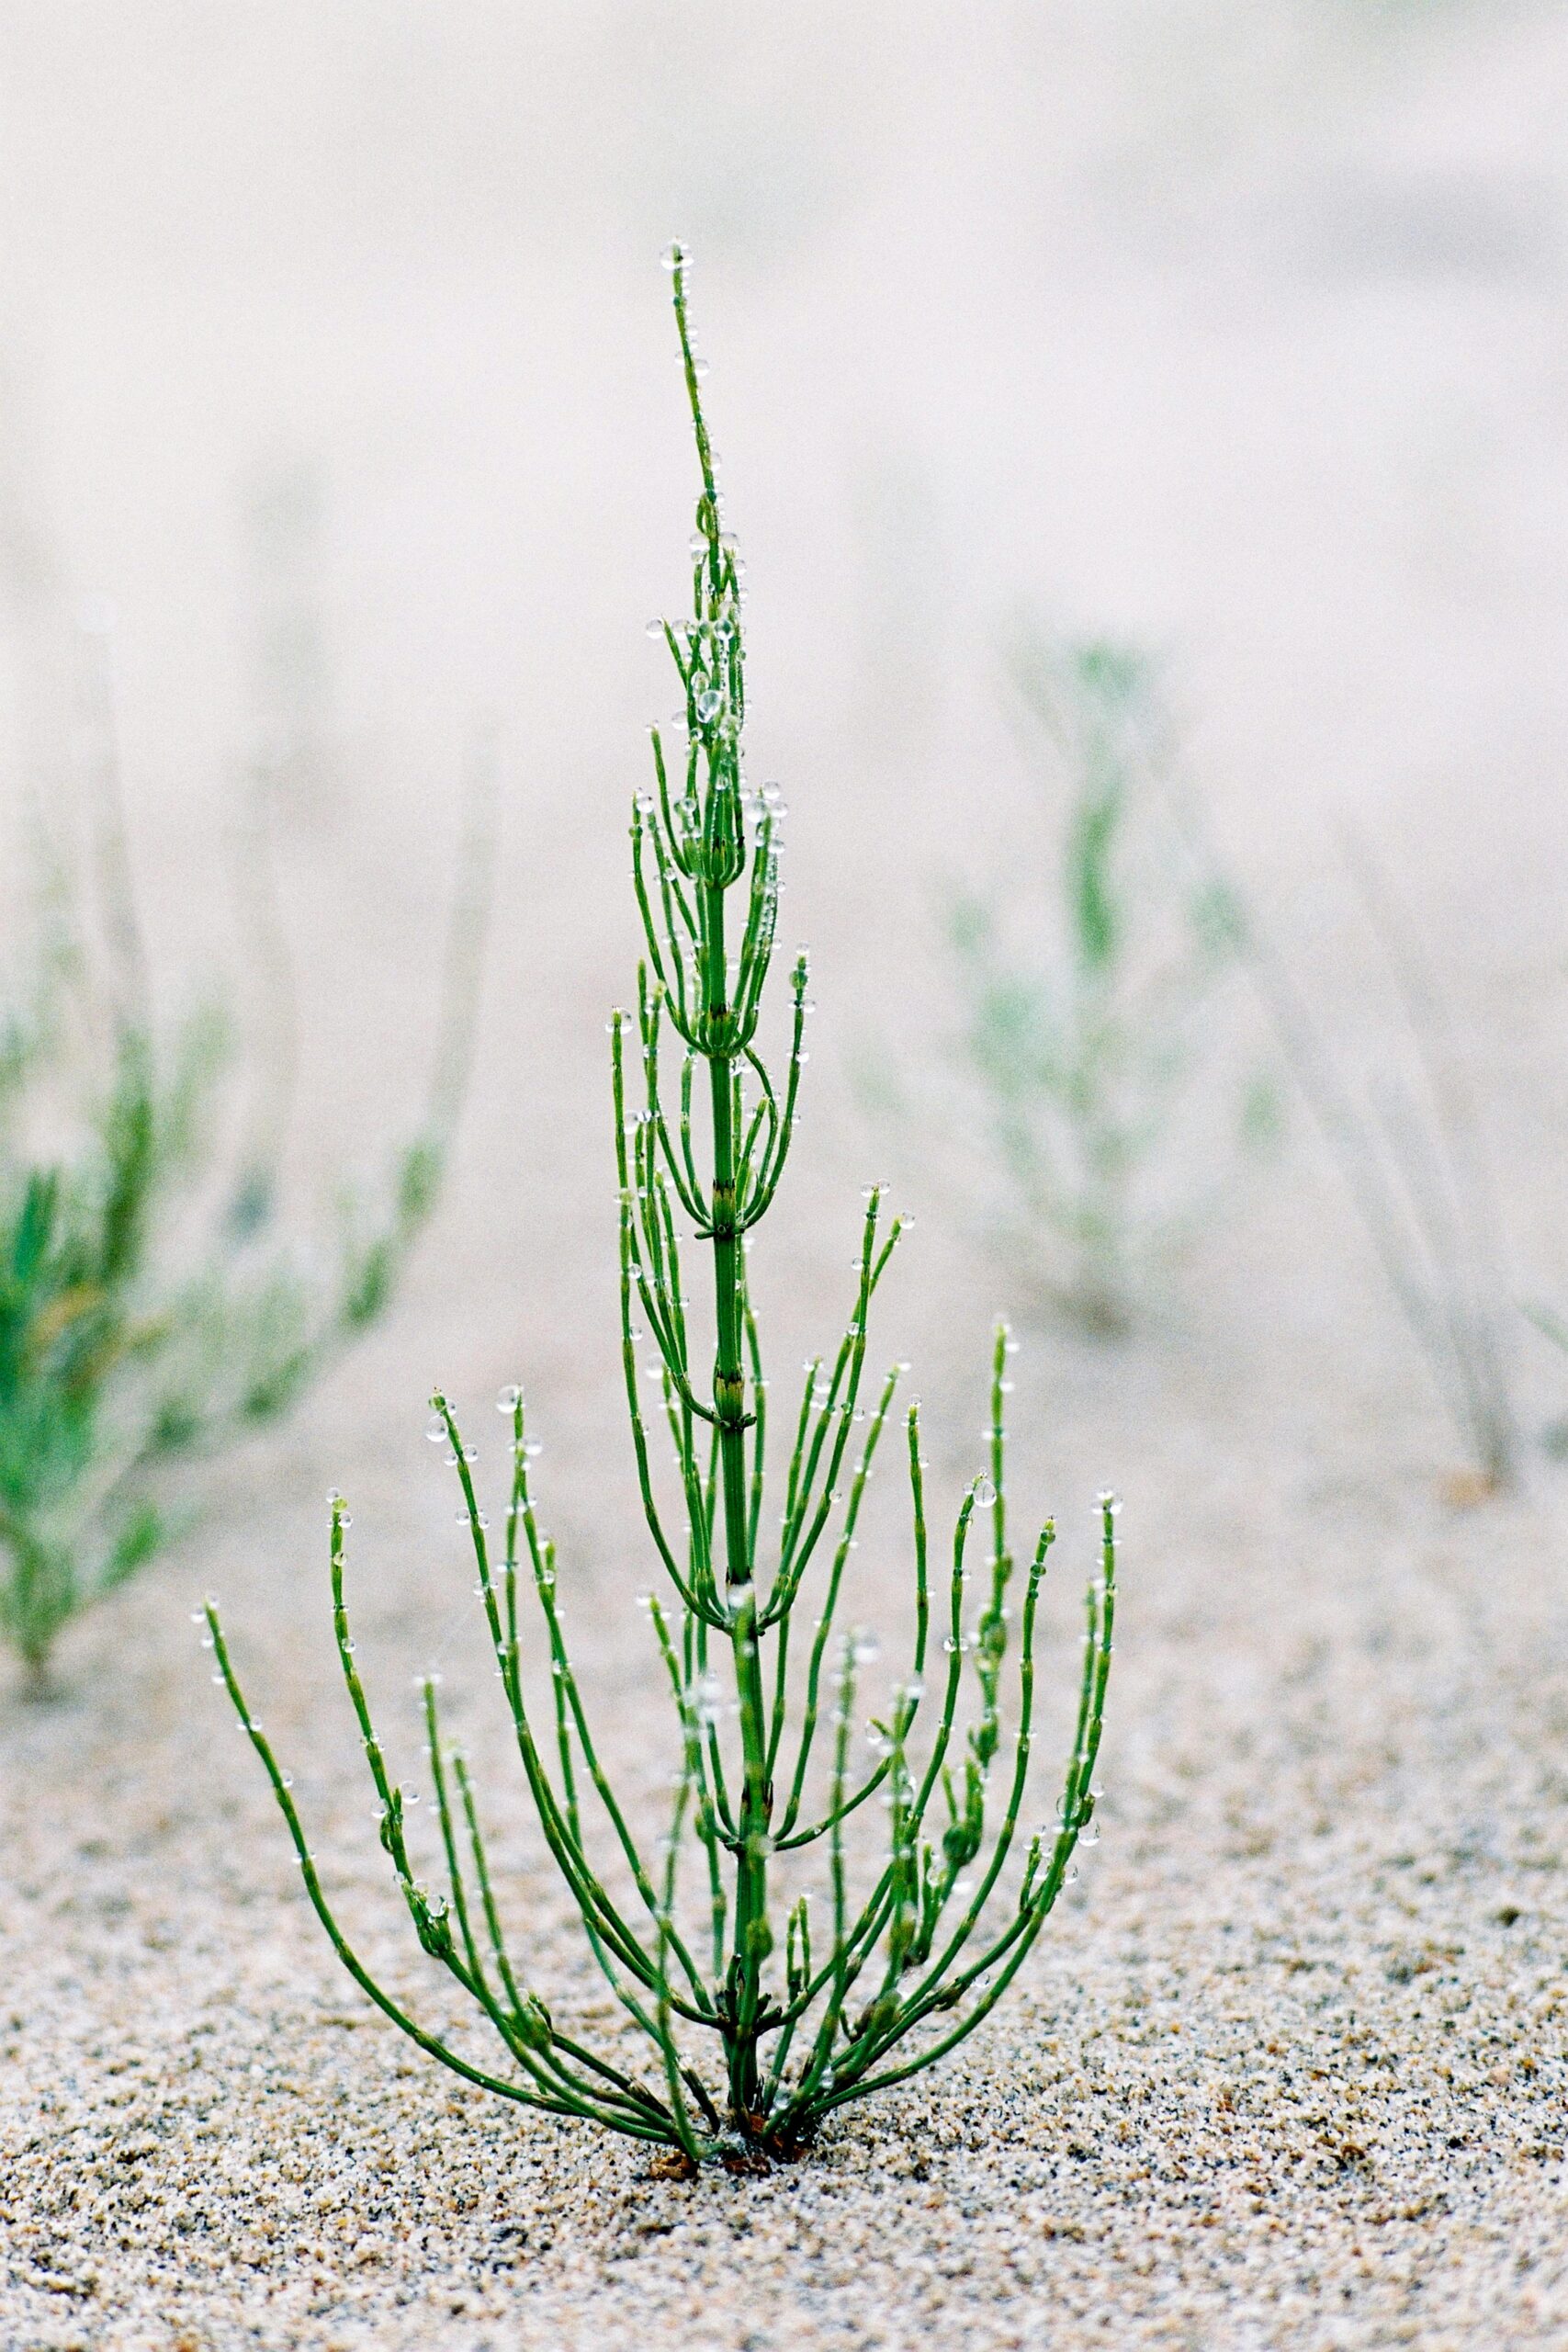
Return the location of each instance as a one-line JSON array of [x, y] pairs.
[[155, 1301], [1411, 1148], [1088, 1057]]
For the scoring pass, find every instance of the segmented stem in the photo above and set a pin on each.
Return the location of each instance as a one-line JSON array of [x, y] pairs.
[[894, 1976]]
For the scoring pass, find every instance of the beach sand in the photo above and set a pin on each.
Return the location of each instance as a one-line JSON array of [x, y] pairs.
[[1277, 389]]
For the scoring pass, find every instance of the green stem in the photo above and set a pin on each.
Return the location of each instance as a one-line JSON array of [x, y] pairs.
[[750, 1936]]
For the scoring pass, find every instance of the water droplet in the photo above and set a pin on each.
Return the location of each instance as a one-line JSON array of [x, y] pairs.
[[699, 368], [435, 1430], [655, 629], [709, 1699], [709, 704], [507, 1399], [985, 1494]]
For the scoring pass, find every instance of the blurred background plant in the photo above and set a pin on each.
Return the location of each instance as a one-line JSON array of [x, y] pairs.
[[1411, 1150], [1092, 1074], [156, 1300]]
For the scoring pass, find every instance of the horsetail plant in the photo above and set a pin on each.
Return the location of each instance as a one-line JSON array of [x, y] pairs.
[[713, 1945], [1088, 1052], [1411, 1149], [136, 1332]]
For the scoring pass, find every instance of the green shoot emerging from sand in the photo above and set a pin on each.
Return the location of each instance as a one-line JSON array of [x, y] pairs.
[[129, 1338], [798, 2009], [1086, 1055]]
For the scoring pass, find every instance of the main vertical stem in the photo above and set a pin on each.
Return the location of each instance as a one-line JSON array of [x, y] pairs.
[[751, 1936]]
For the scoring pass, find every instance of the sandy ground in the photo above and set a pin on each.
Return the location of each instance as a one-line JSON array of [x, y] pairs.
[[1249, 345], [1288, 2069]]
